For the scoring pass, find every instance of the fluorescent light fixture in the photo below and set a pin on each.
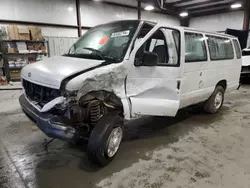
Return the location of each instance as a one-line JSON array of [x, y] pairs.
[[70, 9], [236, 5], [149, 7], [184, 14]]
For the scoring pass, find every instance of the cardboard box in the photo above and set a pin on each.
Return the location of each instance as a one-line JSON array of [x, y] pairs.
[[36, 33], [11, 50], [3, 81], [13, 32], [24, 33], [44, 49], [15, 74]]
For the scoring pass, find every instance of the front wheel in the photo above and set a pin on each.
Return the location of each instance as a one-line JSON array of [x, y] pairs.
[[105, 139], [215, 102]]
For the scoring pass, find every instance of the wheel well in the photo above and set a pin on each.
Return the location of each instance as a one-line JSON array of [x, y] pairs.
[[222, 83], [108, 98]]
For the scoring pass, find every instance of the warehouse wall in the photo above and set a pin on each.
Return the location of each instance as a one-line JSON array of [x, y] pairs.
[[94, 13], [160, 18], [47, 11], [64, 12], [219, 22]]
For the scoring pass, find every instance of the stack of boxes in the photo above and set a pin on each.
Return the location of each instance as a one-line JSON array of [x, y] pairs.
[[20, 40]]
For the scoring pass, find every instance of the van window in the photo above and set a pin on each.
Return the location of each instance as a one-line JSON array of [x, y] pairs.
[[220, 48], [195, 47], [237, 48], [146, 28], [163, 44]]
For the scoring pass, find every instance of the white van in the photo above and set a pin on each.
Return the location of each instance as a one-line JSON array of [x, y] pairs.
[[124, 70]]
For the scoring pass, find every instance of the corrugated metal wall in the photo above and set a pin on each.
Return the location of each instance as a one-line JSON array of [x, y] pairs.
[[60, 45]]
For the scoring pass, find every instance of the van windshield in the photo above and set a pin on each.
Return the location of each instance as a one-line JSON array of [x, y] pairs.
[[105, 42]]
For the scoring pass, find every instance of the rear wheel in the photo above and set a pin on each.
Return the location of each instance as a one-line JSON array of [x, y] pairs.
[[215, 102], [105, 139]]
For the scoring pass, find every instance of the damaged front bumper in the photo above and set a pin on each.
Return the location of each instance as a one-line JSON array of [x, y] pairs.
[[50, 124]]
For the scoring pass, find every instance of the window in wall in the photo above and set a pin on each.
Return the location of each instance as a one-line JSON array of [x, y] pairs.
[[195, 47], [237, 48], [220, 48]]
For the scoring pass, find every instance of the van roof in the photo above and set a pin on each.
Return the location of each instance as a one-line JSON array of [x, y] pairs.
[[180, 28], [209, 32]]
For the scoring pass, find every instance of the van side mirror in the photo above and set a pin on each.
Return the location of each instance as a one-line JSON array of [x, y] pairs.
[[147, 59]]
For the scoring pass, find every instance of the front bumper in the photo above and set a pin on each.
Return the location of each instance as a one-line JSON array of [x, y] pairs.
[[50, 124]]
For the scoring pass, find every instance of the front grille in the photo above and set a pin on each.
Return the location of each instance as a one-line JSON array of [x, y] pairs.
[[38, 93]]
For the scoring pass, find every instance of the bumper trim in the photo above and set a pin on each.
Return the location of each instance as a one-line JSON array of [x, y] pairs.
[[49, 123]]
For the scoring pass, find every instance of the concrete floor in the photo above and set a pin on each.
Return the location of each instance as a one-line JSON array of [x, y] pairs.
[[192, 150]]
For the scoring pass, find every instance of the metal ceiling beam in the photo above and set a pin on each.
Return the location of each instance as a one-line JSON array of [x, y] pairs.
[[178, 2], [207, 4], [211, 9], [212, 12], [191, 9]]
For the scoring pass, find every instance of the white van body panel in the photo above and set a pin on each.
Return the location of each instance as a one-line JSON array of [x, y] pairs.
[[154, 90], [52, 71], [201, 78]]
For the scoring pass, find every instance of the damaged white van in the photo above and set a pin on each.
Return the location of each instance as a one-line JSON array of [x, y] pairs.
[[124, 70]]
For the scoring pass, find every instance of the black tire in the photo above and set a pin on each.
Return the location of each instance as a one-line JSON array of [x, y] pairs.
[[98, 140], [209, 105]]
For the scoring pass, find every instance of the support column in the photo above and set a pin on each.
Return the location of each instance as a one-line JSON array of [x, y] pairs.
[[246, 20], [246, 16], [139, 9], [78, 17]]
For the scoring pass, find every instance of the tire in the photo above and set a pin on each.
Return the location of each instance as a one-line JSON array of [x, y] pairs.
[[99, 139], [211, 106]]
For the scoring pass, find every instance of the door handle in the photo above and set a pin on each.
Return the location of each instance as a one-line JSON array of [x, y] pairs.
[[178, 84]]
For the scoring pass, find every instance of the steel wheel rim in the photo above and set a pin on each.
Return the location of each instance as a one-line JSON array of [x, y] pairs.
[[218, 100], [114, 141]]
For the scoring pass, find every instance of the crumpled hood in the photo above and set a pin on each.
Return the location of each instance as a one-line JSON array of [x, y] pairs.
[[52, 71]]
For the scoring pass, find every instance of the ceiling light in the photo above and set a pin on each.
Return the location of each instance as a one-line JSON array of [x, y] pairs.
[[184, 14], [70, 9], [236, 5], [149, 7]]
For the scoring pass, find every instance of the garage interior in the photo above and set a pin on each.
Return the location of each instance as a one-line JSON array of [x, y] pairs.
[[191, 150]]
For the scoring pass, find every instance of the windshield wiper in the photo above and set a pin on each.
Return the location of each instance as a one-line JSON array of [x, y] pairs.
[[97, 52]]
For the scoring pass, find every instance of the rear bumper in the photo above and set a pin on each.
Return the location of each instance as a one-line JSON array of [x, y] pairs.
[[49, 123]]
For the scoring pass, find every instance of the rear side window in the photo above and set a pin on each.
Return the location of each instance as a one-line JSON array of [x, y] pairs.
[[220, 48], [195, 47], [237, 49]]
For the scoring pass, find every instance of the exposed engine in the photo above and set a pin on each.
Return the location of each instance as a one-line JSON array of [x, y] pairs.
[[85, 114]]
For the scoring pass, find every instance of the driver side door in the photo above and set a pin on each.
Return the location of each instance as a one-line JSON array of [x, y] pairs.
[[153, 88]]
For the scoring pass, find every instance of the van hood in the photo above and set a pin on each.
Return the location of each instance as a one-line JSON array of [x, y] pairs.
[[52, 71]]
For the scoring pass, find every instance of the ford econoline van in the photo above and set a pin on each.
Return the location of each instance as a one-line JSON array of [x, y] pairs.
[[124, 70]]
